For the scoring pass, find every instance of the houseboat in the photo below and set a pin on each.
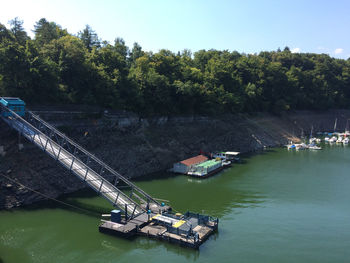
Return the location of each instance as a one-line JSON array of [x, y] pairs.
[[207, 168], [184, 166]]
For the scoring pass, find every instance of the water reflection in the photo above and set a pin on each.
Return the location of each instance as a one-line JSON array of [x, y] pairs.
[[144, 244], [147, 244]]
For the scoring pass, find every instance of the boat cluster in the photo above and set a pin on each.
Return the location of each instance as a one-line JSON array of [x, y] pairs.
[[303, 146], [340, 138], [330, 138]]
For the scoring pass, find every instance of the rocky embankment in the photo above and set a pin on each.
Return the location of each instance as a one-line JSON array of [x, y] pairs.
[[137, 147]]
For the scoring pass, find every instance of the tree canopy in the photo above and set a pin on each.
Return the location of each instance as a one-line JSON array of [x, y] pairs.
[[58, 67]]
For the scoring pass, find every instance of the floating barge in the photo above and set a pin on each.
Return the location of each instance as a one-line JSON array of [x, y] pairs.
[[185, 166], [189, 230], [207, 168]]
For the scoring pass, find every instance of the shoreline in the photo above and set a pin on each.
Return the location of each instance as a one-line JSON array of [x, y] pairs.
[[144, 149]]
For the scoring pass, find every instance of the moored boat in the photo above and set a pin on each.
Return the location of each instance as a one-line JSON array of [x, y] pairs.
[[291, 146], [314, 147], [333, 139], [226, 163], [312, 140], [301, 146], [339, 140]]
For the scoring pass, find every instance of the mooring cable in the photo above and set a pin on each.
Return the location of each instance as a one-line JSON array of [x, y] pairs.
[[50, 198]]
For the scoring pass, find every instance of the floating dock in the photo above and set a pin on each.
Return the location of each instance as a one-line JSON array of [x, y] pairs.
[[206, 169], [189, 230]]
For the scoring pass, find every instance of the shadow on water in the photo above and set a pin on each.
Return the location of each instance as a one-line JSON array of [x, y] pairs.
[[9, 254], [70, 202], [155, 176], [143, 243], [146, 244], [189, 253]]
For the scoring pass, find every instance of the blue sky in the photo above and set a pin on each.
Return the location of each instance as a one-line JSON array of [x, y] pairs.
[[246, 26]]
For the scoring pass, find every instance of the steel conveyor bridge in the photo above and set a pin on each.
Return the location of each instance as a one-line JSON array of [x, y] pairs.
[[88, 168]]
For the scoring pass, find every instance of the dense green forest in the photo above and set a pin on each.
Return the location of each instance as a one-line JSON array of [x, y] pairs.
[[56, 67]]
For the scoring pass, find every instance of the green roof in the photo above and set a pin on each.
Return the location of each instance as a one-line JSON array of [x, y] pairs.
[[209, 163]]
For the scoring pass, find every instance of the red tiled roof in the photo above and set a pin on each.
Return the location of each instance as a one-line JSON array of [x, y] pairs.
[[194, 160]]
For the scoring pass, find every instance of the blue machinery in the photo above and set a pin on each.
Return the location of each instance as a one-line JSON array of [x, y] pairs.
[[15, 104]]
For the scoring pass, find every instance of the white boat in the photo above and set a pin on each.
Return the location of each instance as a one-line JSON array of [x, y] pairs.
[[314, 147], [231, 156], [326, 139], [226, 163], [301, 146], [312, 140], [333, 139], [297, 146], [346, 133], [339, 140], [291, 146], [318, 140]]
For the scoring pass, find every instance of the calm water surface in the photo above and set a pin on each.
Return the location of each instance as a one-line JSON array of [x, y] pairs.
[[278, 206]]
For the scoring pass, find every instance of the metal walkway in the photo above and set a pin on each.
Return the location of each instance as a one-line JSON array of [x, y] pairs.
[[98, 175]]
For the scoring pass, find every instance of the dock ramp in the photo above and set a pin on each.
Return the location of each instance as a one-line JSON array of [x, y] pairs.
[[87, 167], [143, 214]]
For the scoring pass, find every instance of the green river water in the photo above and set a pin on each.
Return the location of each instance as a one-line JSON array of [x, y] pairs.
[[277, 206]]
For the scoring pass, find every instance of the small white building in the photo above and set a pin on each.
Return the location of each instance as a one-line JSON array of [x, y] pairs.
[[184, 166], [232, 156]]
